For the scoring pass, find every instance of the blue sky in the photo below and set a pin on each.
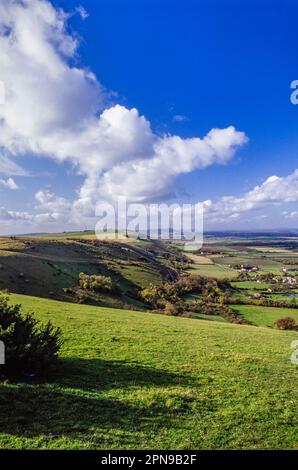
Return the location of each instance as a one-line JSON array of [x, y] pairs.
[[188, 67]]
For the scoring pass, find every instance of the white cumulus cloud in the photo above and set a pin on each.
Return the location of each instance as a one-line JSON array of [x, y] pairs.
[[57, 109], [8, 184], [275, 190], [57, 207]]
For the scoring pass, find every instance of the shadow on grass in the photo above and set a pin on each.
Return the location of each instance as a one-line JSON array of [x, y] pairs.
[[72, 405], [98, 374], [29, 411]]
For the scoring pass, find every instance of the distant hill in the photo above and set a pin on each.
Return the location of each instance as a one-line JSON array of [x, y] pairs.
[[46, 265]]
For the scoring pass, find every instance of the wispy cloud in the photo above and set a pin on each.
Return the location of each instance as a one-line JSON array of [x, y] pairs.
[[9, 167], [180, 118], [275, 190]]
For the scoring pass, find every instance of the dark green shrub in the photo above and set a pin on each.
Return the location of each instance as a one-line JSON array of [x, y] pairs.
[[30, 347], [286, 323]]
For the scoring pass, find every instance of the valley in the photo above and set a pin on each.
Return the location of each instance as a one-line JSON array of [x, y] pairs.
[[161, 348]]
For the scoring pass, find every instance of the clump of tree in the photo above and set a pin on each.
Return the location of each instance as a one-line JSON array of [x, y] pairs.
[[169, 297], [81, 297], [263, 301], [95, 283], [158, 295], [286, 323], [173, 310], [218, 309], [212, 290], [30, 347]]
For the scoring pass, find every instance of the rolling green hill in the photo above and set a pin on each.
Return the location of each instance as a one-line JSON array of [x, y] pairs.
[[45, 265], [138, 380], [265, 316]]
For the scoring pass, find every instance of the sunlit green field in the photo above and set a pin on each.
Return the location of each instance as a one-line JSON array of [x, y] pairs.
[[265, 316], [212, 270], [250, 285], [138, 380]]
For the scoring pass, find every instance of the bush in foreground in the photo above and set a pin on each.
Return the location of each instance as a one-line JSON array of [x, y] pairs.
[[286, 323], [30, 347]]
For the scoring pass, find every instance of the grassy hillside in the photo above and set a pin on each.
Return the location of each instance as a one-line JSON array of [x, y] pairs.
[[265, 316], [45, 265], [139, 380]]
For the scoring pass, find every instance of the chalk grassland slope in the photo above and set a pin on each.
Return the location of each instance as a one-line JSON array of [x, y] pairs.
[[137, 380], [44, 266]]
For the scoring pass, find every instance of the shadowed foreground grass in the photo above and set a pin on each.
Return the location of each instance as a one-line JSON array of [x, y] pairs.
[[138, 380]]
